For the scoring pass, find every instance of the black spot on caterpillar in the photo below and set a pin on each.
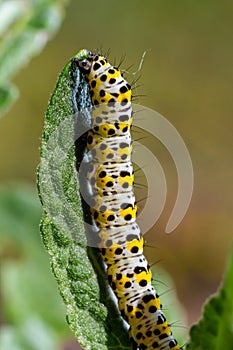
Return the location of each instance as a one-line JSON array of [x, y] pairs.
[[113, 212]]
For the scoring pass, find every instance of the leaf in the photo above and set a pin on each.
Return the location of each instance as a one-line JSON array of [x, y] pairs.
[[25, 28], [215, 330], [8, 94], [91, 312]]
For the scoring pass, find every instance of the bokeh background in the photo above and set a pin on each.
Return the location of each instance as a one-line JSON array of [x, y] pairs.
[[187, 77]]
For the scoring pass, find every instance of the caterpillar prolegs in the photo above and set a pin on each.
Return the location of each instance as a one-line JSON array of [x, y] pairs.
[[114, 209]]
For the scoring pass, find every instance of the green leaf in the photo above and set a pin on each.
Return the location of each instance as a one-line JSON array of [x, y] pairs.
[[8, 94], [215, 330], [25, 28], [91, 312]]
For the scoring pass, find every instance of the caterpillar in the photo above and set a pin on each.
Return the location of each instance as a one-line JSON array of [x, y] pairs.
[[114, 210]]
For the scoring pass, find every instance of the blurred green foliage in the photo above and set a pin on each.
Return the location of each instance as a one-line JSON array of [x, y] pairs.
[[25, 28], [31, 312]]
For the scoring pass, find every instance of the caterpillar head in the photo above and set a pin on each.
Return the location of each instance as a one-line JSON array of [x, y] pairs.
[[90, 64], [83, 60]]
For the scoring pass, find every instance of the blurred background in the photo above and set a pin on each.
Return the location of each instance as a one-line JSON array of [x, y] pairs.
[[187, 77]]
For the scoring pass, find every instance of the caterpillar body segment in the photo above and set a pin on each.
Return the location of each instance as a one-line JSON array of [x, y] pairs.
[[114, 208]]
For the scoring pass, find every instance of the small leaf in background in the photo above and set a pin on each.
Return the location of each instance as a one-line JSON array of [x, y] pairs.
[[215, 330], [25, 28]]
